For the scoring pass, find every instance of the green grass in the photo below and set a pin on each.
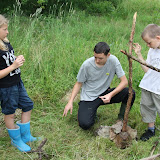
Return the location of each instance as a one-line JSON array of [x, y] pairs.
[[54, 49]]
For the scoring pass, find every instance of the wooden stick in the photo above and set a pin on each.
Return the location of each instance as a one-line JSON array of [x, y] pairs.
[[138, 60], [124, 129], [40, 151], [154, 147], [151, 157]]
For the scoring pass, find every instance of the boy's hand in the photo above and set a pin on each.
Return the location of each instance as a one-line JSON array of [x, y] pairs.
[[106, 98], [137, 49]]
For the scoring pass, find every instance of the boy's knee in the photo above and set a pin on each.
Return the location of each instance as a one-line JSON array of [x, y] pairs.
[[84, 125], [133, 91], [133, 95]]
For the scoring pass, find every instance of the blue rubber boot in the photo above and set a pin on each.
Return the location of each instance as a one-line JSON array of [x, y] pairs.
[[25, 132], [16, 140]]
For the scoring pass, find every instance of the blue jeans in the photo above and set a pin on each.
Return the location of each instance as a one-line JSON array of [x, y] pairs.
[[15, 97]]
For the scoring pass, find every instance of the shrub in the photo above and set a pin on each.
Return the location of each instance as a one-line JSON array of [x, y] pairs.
[[100, 8], [29, 7]]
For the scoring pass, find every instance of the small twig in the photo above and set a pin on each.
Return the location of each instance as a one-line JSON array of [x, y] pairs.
[[42, 144], [154, 147], [138, 60], [40, 151], [157, 128], [151, 157]]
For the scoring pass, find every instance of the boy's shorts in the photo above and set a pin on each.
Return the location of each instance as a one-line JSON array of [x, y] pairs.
[[15, 97], [150, 106]]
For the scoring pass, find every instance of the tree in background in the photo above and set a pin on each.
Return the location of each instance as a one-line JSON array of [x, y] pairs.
[[29, 7]]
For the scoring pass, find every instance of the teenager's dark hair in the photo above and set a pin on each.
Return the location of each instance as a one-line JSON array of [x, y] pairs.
[[102, 47]]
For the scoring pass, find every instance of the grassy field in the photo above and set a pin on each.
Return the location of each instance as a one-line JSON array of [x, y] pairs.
[[54, 49]]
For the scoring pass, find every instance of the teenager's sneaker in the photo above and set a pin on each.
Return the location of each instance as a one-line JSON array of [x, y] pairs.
[[147, 135]]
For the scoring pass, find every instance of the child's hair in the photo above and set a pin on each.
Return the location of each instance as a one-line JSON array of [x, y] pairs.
[[3, 21], [152, 30]]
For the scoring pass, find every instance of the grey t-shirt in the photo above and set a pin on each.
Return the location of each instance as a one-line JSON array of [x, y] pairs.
[[95, 79]]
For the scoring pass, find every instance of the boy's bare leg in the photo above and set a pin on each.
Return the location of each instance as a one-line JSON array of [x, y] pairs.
[[26, 116], [9, 121], [151, 124]]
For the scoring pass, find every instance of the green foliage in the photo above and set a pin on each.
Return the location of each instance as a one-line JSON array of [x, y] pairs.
[[144, 6], [115, 2], [82, 4], [6, 6], [29, 7], [100, 8]]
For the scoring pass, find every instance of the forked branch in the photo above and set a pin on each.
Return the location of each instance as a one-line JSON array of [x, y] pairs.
[[139, 61]]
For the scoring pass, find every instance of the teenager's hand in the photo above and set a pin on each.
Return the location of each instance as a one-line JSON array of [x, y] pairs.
[[106, 98], [137, 49], [18, 62], [68, 107]]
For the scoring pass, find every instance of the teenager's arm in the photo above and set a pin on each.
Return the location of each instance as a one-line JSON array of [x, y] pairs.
[[69, 105], [137, 49], [123, 83], [17, 63]]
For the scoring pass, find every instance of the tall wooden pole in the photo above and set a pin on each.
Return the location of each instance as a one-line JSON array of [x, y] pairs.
[[124, 129]]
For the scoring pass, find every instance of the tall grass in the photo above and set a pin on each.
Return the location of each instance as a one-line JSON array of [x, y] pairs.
[[54, 49]]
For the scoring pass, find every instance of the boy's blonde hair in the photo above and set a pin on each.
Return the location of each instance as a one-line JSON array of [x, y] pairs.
[[152, 30], [3, 21]]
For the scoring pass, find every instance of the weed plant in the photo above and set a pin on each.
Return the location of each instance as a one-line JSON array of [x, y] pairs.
[[54, 49]]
